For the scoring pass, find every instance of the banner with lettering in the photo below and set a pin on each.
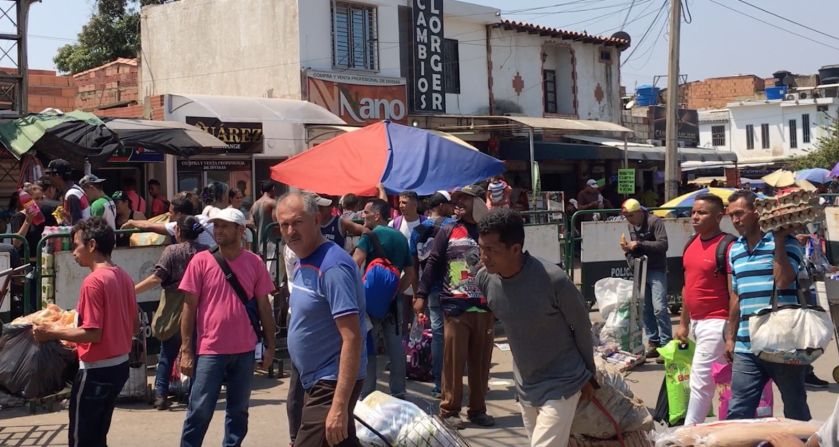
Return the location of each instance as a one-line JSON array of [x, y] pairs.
[[359, 99], [241, 137]]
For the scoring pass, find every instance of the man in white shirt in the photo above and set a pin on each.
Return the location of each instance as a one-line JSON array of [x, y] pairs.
[[408, 219]]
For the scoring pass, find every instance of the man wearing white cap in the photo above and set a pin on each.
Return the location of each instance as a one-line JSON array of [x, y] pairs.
[[217, 332]]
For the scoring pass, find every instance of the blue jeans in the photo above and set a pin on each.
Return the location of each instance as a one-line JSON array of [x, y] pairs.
[[390, 326], [435, 314], [657, 323], [168, 353], [236, 370], [749, 376]]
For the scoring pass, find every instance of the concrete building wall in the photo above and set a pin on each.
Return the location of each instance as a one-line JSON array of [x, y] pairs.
[[589, 85], [474, 76], [222, 47]]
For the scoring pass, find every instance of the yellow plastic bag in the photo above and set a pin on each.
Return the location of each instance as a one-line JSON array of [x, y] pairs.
[[150, 239]]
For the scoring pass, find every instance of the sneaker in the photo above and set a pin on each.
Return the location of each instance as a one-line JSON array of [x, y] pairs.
[[454, 422], [161, 403], [814, 382], [659, 360], [652, 352], [483, 419], [435, 393]]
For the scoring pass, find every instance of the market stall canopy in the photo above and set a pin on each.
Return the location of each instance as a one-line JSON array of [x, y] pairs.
[[686, 200], [274, 126], [403, 158], [814, 175], [74, 136], [169, 137]]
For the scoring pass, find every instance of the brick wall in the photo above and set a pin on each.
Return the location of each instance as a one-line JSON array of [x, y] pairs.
[[717, 92], [48, 90], [135, 111], [112, 84]]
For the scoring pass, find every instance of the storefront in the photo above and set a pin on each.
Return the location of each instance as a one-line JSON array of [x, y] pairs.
[[260, 133]]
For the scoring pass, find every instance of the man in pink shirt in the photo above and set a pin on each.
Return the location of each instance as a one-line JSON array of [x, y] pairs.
[[107, 321], [218, 336]]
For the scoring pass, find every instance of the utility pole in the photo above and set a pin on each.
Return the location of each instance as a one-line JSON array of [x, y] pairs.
[[671, 158]]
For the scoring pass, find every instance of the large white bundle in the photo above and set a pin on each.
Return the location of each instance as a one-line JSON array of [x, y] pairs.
[[614, 299], [614, 394]]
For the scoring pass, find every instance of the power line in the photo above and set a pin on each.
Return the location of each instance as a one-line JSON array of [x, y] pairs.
[[651, 49], [642, 14], [773, 25], [789, 20], [627, 14], [538, 8], [649, 28]]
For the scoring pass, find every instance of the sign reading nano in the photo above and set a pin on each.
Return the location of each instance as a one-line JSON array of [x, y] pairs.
[[429, 90], [357, 98]]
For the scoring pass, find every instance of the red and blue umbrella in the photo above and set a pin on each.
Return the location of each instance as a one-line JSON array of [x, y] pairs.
[[402, 158]]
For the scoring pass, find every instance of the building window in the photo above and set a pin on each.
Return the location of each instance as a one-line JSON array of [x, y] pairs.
[[354, 37], [750, 136], [451, 66], [764, 136], [718, 136], [793, 134], [606, 55], [805, 128], [549, 87]]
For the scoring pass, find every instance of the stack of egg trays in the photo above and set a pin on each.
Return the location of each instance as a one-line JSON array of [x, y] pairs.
[[794, 209]]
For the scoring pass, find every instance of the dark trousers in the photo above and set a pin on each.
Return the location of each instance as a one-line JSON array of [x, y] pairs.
[[467, 341], [165, 361], [294, 403], [317, 403], [92, 401], [749, 376]]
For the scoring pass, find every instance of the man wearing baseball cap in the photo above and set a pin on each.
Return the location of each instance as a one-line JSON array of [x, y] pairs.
[[100, 204], [218, 337], [76, 205], [469, 324], [422, 239], [649, 238]]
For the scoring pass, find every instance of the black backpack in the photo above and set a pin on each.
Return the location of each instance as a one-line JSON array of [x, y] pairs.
[[722, 249]]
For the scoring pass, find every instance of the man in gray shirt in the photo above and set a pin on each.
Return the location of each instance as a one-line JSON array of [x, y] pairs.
[[546, 324]]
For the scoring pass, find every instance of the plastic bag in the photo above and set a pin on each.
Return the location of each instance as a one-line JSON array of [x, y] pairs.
[[399, 421], [791, 336], [677, 361], [731, 433], [722, 377], [614, 299], [31, 369], [614, 394], [418, 352]]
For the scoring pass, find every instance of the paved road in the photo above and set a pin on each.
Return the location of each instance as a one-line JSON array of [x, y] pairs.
[[140, 425]]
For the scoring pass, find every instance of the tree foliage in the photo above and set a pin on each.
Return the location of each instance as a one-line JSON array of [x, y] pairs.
[[826, 152], [113, 31]]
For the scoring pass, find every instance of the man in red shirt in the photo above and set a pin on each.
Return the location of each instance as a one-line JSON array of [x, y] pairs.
[[705, 301], [108, 318]]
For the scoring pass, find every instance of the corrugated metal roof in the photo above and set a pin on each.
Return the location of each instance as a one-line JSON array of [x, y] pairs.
[[560, 33], [568, 124]]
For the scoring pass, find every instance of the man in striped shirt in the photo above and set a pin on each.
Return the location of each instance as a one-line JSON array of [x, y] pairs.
[[759, 264]]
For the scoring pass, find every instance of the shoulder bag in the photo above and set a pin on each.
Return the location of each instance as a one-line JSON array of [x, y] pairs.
[[249, 303]]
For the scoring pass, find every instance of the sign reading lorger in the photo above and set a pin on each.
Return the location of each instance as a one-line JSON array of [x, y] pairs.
[[429, 90]]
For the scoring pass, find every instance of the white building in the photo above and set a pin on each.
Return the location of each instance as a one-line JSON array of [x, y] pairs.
[[431, 63], [768, 131]]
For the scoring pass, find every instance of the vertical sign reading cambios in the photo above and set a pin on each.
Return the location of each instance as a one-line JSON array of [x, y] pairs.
[[429, 90]]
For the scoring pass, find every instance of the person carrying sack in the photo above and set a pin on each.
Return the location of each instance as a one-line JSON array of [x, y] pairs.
[[166, 323]]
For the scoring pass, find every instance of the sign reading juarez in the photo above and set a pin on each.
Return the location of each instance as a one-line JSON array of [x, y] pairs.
[[357, 98], [626, 181], [429, 91], [241, 137]]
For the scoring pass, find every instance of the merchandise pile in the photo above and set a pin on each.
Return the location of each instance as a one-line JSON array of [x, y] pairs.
[[789, 210]]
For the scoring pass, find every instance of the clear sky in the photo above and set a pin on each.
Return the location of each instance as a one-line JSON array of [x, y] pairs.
[[717, 42]]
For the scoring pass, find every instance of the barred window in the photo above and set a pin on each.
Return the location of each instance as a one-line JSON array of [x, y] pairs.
[[718, 136], [354, 37]]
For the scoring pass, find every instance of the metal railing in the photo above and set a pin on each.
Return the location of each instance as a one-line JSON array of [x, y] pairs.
[[572, 239], [25, 259], [39, 272]]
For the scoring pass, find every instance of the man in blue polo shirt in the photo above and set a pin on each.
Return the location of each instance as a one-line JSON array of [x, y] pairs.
[[325, 331], [760, 261]]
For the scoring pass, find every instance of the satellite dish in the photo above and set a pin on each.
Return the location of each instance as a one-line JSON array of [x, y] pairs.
[[623, 35], [629, 105]]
